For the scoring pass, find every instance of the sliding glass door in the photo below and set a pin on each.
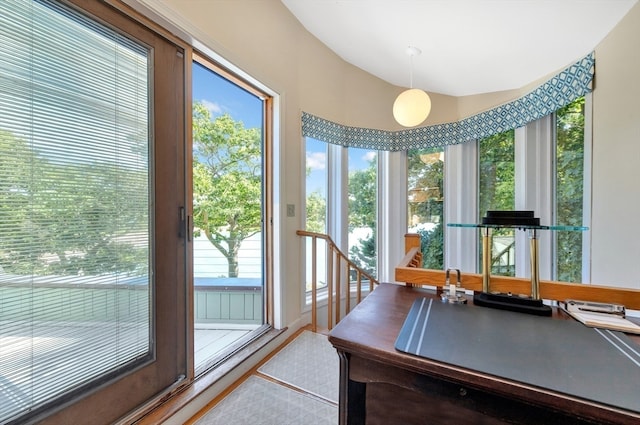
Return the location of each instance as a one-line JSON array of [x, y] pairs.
[[229, 206], [91, 179]]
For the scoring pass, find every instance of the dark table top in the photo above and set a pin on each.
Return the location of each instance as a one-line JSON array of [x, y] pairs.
[[560, 355], [465, 346]]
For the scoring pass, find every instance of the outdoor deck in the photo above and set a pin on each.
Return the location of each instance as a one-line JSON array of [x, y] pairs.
[[210, 342]]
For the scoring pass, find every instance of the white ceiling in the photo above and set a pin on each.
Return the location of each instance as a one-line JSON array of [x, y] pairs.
[[468, 46]]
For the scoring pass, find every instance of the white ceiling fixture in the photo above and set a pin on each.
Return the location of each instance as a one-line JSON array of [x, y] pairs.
[[412, 106], [468, 46]]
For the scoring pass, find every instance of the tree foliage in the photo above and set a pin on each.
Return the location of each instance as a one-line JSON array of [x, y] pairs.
[[68, 218], [425, 178], [497, 182], [17, 161], [432, 247], [497, 173], [227, 182], [363, 189], [497, 192], [316, 208], [364, 254], [570, 187]]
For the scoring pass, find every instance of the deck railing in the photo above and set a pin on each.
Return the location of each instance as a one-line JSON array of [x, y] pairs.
[[338, 268], [409, 271]]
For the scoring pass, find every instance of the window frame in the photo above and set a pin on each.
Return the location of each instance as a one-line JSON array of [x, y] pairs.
[[431, 151], [534, 162], [269, 269], [166, 369], [337, 180], [460, 187], [586, 192], [535, 159]]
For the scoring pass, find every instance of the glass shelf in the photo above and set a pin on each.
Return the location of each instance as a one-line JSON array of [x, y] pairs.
[[507, 302], [519, 226]]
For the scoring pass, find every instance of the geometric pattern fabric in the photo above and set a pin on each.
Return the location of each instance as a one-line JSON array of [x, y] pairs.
[[572, 83]]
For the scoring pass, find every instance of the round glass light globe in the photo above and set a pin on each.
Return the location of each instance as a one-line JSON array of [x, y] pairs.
[[411, 107]]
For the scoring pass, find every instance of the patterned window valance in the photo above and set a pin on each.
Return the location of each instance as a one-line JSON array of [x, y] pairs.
[[570, 84]]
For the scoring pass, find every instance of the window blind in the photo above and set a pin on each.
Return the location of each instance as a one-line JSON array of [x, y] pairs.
[[75, 286]]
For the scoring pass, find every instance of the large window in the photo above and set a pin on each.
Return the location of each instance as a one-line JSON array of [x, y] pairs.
[[316, 186], [74, 223], [230, 198], [425, 192], [569, 189], [496, 191], [353, 214], [78, 280], [316, 209], [362, 221]]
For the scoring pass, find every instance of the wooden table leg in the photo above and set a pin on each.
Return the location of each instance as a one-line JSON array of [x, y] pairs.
[[351, 399], [344, 387]]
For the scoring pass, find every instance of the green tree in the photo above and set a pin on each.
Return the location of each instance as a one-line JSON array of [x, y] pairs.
[[570, 184], [497, 172], [364, 254], [227, 182], [425, 171], [316, 212], [17, 162], [84, 211], [497, 190], [362, 213], [362, 197], [432, 247], [67, 217]]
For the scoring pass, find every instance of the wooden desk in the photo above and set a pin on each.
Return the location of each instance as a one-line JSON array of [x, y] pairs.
[[380, 385]]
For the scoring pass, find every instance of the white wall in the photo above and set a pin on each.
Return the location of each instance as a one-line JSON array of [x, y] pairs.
[[264, 40], [209, 262], [615, 234]]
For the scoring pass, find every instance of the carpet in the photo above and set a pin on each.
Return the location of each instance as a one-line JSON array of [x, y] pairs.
[[309, 363], [258, 401]]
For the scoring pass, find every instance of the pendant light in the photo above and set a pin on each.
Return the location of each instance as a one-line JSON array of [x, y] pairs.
[[412, 106]]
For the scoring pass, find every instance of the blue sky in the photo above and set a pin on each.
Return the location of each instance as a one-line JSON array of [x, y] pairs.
[[221, 96], [316, 161]]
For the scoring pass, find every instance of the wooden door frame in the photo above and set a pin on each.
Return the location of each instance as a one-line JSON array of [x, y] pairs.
[[168, 366]]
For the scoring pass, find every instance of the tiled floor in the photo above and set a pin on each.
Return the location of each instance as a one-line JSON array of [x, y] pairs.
[[298, 385], [309, 363]]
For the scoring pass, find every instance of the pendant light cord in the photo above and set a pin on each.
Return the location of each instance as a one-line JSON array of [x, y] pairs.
[[411, 72], [411, 51]]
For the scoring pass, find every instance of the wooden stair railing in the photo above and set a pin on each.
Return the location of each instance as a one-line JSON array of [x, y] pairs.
[[338, 266], [506, 252], [409, 271]]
